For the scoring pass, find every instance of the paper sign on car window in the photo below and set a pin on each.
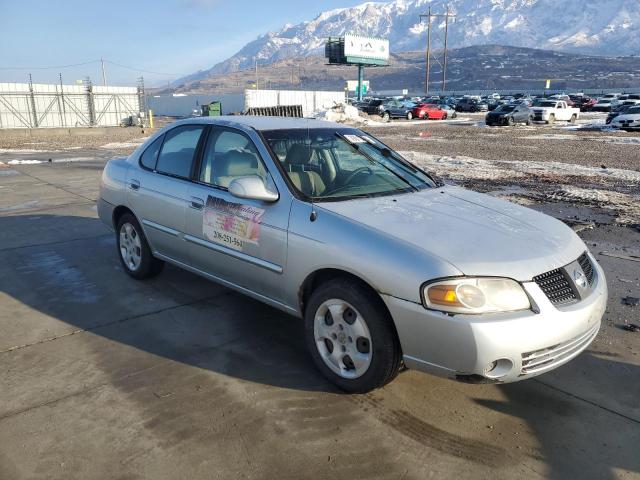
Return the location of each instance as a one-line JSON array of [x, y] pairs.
[[231, 224], [353, 139]]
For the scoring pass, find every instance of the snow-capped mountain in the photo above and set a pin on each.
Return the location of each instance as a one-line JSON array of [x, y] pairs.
[[601, 27]]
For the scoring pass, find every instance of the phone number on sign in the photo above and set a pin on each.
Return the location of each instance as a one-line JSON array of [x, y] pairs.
[[228, 239]]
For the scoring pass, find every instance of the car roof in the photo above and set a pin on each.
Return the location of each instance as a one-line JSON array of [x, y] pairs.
[[261, 123]]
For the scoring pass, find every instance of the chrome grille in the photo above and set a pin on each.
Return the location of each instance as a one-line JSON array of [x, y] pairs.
[[586, 266], [547, 358], [555, 285]]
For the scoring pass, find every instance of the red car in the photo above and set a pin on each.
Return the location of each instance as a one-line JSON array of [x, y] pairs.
[[429, 111]]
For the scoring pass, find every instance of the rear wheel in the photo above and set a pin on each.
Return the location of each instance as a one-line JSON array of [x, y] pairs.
[[409, 116], [511, 122], [386, 117], [444, 117], [552, 119], [134, 251], [573, 118], [350, 336], [529, 120]]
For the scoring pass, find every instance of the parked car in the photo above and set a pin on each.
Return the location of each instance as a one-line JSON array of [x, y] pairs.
[[550, 111], [396, 109], [583, 102], [429, 111], [471, 105], [619, 110], [564, 98], [629, 120], [606, 103], [509, 115], [451, 112], [372, 107], [385, 265]]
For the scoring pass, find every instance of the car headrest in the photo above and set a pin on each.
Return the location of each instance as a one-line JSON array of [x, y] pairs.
[[299, 154], [236, 163]]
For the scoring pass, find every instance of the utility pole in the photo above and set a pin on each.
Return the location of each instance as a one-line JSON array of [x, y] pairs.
[[426, 82], [255, 61], [32, 96], [446, 41], [443, 64], [104, 75]]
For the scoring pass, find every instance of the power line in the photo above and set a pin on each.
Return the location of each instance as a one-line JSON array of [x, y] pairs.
[[145, 71], [92, 62], [50, 68]]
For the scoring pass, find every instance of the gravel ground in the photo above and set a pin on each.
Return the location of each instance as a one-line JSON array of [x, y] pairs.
[[581, 145], [593, 174]]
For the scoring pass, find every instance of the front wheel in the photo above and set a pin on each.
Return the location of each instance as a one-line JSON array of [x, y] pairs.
[[529, 121], [351, 337], [573, 118], [386, 117], [134, 251], [409, 116], [511, 122], [552, 119]]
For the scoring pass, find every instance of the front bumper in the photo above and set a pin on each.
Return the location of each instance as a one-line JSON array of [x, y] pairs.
[[525, 344]]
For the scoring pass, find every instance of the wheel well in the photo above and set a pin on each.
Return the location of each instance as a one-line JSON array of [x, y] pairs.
[[317, 278], [117, 214]]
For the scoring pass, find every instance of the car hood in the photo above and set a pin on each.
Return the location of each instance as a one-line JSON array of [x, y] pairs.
[[478, 234]]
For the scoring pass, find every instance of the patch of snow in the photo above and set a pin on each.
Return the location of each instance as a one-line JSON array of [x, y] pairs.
[[118, 145], [23, 162]]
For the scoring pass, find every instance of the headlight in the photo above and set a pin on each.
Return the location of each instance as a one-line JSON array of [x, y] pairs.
[[475, 295]]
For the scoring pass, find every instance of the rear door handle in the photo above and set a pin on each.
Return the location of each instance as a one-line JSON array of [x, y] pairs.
[[196, 203], [134, 184]]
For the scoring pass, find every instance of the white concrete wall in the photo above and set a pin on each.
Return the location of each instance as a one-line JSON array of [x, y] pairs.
[[310, 101], [53, 105]]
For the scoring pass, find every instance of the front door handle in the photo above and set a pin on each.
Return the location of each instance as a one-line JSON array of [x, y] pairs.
[[134, 184], [196, 203]]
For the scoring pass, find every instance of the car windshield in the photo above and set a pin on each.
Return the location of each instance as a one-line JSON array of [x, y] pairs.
[[327, 164], [505, 109]]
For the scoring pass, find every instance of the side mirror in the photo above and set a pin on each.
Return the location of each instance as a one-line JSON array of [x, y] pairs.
[[253, 188]]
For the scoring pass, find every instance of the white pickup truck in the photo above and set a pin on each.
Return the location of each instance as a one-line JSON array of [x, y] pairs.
[[550, 111]]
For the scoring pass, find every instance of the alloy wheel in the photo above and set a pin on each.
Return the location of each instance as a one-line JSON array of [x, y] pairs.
[[342, 338], [130, 246]]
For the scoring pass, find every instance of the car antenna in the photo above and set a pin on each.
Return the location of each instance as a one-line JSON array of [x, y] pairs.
[[314, 215]]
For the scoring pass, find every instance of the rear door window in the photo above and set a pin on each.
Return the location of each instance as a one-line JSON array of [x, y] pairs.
[[229, 154], [179, 149]]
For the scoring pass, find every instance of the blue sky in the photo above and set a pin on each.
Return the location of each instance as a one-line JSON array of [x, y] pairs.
[[172, 37]]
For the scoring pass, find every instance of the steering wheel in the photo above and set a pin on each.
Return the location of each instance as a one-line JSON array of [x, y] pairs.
[[356, 172]]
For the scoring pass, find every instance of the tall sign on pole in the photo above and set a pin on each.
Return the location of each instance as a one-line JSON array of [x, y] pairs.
[[359, 51], [440, 59]]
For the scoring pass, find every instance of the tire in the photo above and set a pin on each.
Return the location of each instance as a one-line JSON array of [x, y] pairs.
[[131, 243], [455, 115], [341, 301], [529, 121], [511, 122], [444, 117], [409, 116], [552, 119], [573, 118], [386, 117]]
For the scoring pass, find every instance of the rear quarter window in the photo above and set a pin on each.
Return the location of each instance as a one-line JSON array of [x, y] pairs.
[[149, 157]]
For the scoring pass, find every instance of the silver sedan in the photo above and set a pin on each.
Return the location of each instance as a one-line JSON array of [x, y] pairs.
[[387, 266]]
